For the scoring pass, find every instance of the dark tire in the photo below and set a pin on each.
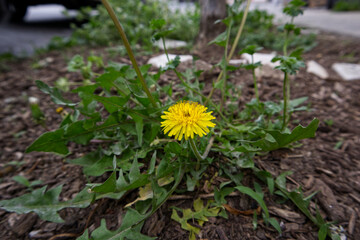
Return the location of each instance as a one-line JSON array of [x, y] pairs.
[[3, 9], [330, 4], [17, 12]]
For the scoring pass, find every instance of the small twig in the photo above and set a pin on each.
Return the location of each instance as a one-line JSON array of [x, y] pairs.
[[221, 233], [354, 197], [6, 170], [33, 167], [61, 235], [91, 214], [203, 196]]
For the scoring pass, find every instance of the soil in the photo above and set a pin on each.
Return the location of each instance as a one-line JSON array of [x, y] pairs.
[[328, 163]]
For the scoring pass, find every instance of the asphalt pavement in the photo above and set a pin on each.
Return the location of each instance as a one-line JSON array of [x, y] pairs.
[[46, 21], [344, 23], [41, 23]]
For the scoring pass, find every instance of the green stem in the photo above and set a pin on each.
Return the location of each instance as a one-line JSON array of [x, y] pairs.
[[287, 39], [223, 90], [165, 50], [129, 51], [285, 44], [286, 91], [196, 153], [236, 41]]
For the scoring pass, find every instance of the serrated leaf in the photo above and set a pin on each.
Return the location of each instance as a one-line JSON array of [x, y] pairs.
[[46, 204], [173, 147], [251, 49], [76, 63], [220, 40], [107, 79], [93, 163], [54, 93], [77, 133], [104, 234], [152, 163], [293, 8], [162, 34], [112, 104], [126, 231], [276, 139], [108, 186], [84, 236], [50, 142], [42, 202], [139, 126], [281, 179], [198, 205], [56, 141], [219, 84], [22, 180], [275, 224], [256, 196], [145, 193], [157, 24], [322, 232]]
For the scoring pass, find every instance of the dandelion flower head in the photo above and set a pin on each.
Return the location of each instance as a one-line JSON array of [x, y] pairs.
[[186, 119]]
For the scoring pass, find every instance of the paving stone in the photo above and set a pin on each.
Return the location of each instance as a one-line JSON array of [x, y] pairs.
[[264, 58], [170, 44], [316, 69], [347, 71], [161, 60], [237, 62]]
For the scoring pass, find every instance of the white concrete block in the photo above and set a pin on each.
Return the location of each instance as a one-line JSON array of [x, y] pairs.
[[347, 71], [316, 69], [161, 60], [170, 44], [237, 62], [264, 58]]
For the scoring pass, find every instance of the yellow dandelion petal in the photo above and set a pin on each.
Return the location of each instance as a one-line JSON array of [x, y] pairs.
[[187, 119]]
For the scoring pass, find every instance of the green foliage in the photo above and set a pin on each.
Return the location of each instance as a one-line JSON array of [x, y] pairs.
[[24, 181], [132, 234], [114, 113], [135, 17], [288, 65], [201, 213], [293, 8], [347, 5], [256, 196], [261, 31]]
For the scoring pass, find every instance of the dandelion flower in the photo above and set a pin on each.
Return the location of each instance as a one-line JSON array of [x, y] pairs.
[[187, 118]]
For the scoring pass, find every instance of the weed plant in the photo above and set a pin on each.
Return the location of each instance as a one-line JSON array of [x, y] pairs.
[[129, 115]]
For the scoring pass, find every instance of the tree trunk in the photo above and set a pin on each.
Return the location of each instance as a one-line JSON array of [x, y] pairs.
[[211, 10]]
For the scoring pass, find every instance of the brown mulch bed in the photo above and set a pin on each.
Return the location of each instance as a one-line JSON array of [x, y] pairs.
[[329, 163]]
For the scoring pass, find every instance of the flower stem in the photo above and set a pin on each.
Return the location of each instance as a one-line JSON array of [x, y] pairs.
[[223, 90], [165, 50], [198, 156], [236, 41], [196, 153], [129, 51]]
